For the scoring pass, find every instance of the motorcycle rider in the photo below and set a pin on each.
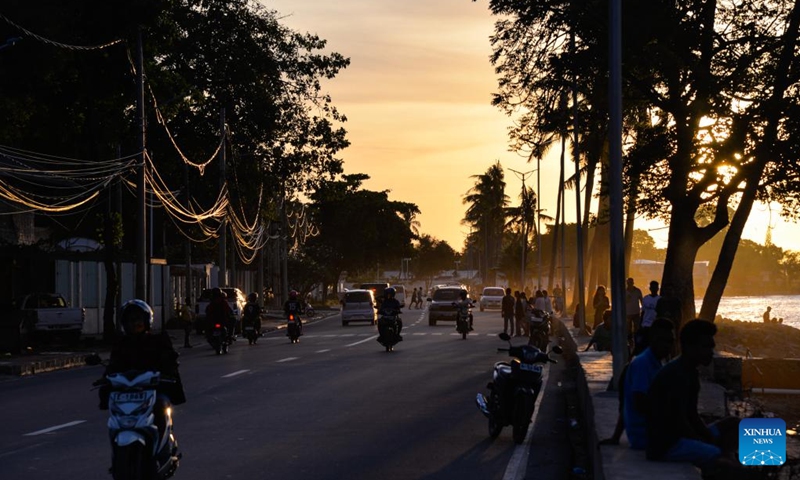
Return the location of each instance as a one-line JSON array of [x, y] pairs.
[[251, 314], [390, 307], [463, 306], [218, 311], [138, 349], [295, 307]]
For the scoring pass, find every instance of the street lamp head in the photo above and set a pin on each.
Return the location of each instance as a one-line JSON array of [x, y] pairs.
[[10, 42]]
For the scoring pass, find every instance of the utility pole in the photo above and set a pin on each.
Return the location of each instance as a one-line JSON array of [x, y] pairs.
[[619, 323], [222, 278], [523, 206], [539, 219], [187, 246], [141, 219]]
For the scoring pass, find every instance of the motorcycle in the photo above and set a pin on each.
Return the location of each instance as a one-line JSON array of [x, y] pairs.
[[294, 327], [218, 338], [389, 328], [514, 389], [463, 318], [540, 329], [142, 448]]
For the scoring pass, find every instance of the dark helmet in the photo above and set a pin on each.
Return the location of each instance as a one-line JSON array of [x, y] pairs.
[[389, 292], [293, 295], [253, 297], [134, 311], [463, 294], [216, 292]]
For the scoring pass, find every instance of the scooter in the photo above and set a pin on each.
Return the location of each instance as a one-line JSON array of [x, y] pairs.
[[251, 331], [218, 338], [463, 318], [540, 329], [294, 328], [514, 389], [389, 328], [141, 448]]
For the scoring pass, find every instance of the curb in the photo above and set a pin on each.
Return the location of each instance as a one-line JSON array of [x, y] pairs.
[[46, 365]]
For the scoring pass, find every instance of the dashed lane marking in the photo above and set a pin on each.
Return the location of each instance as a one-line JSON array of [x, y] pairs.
[[323, 351], [53, 429], [238, 372], [362, 341], [287, 359]]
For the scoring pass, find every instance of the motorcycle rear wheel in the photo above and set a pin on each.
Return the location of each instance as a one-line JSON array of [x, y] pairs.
[[130, 463], [523, 409]]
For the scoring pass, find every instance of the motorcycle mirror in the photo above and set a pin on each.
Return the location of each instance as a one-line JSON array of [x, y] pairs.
[[504, 336], [557, 349]]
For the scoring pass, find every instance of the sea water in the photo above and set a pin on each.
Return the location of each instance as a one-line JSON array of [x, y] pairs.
[[751, 309]]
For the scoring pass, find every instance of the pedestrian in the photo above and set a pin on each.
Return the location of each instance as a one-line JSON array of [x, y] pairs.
[[507, 310], [674, 429], [601, 338], [641, 373], [635, 380], [633, 308], [600, 303], [669, 306], [649, 302], [519, 313], [558, 300], [186, 317], [413, 298], [766, 315]]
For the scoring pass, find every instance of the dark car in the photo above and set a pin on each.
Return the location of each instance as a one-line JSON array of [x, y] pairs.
[[441, 304], [377, 290]]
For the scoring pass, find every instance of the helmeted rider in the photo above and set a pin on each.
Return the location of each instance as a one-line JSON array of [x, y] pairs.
[[390, 307], [251, 314], [463, 306], [295, 307], [218, 311], [138, 349]]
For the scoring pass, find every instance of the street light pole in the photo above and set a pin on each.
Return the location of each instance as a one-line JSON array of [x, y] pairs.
[[522, 176]]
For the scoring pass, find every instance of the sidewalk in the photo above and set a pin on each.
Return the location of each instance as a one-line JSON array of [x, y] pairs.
[[601, 407], [56, 358]]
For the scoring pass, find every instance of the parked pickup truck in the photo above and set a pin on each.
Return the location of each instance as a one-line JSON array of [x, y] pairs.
[[48, 314]]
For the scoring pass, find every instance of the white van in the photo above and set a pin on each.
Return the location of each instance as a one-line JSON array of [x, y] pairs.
[[400, 294], [359, 306]]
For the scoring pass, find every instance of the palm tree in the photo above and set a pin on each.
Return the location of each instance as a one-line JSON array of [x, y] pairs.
[[485, 214]]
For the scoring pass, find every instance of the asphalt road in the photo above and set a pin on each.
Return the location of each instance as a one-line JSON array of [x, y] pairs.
[[334, 406]]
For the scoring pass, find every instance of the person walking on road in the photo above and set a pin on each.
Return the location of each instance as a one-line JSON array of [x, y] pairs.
[[507, 310], [186, 317]]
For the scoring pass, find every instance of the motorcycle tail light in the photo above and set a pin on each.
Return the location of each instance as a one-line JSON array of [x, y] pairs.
[[291, 317], [218, 326]]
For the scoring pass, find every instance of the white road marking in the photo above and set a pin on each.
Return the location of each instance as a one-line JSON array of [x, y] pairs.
[[437, 333], [348, 335], [362, 341], [287, 359], [238, 372], [421, 333], [52, 429], [323, 351]]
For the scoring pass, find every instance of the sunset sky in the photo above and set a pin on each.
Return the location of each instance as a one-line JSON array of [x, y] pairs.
[[417, 97]]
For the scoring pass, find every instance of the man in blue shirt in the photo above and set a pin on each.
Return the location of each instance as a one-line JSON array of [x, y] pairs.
[[641, 372]]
